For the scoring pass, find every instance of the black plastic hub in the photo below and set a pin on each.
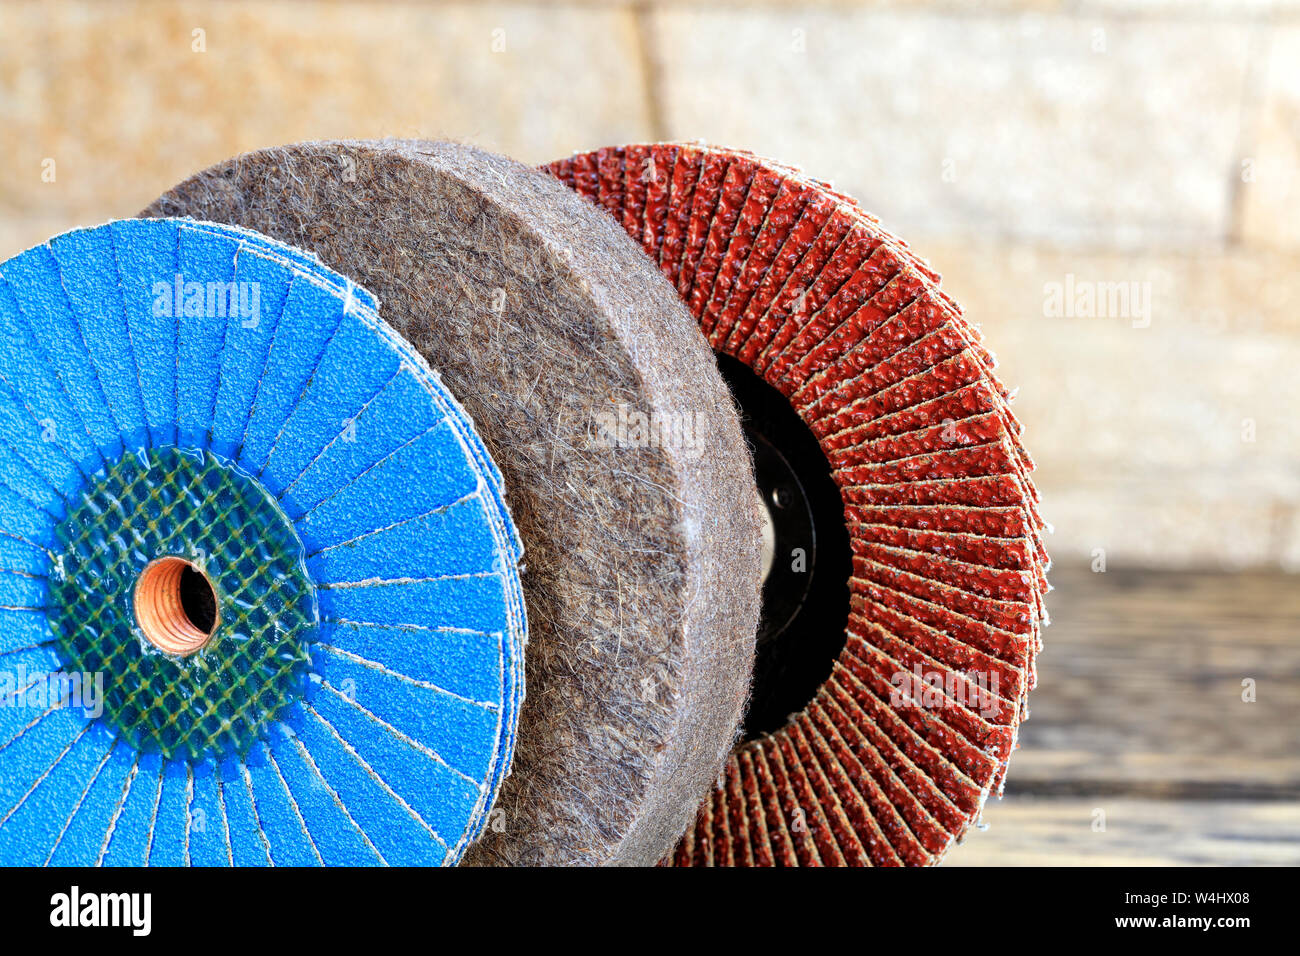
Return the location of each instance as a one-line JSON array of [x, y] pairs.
[[806, 589]]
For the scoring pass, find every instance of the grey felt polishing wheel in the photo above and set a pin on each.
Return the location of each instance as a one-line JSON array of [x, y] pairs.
[[624, 464]]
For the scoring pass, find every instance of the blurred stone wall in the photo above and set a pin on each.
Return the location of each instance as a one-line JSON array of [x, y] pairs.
[[1146, 154]]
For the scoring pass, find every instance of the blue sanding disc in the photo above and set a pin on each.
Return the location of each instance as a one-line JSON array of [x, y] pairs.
[[259, 588]]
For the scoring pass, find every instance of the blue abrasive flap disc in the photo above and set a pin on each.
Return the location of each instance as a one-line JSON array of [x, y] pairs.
[[259, 588]]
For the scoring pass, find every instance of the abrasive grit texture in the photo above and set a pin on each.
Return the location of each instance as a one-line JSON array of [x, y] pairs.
[[188, 399], [892, 759], [562, 341]]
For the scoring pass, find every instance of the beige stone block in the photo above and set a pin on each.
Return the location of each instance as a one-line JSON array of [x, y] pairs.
[[1158, 522], [19, 234], [1270, 172], [1107, 130], [1167, 438], [117, 96]]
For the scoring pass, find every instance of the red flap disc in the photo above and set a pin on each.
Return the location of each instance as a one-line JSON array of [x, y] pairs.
[[913, 716]]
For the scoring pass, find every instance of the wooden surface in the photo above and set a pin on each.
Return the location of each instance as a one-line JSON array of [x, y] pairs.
[[1139, 723]]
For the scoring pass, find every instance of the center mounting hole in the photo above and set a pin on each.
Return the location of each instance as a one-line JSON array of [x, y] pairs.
[[807, 559], [176, 606]]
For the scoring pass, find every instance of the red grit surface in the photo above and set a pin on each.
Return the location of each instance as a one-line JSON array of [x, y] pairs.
[[893, 758]]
